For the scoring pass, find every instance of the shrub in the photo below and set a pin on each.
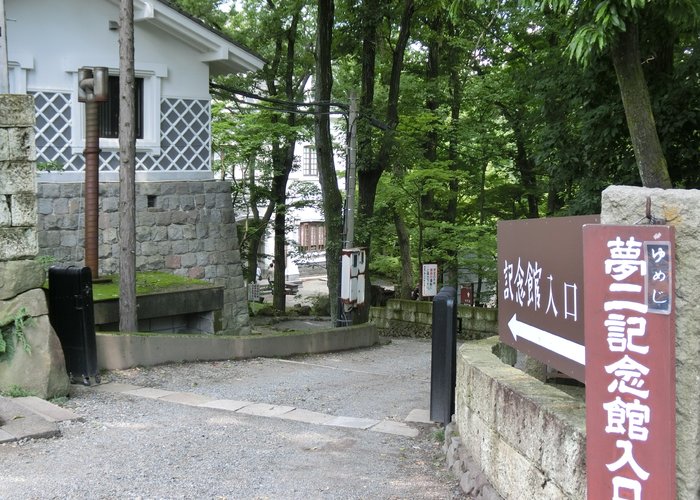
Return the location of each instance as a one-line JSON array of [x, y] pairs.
[[320, 305]]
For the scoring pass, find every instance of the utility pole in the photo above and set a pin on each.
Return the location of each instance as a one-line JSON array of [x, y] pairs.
[[351, 168], [4, 69]]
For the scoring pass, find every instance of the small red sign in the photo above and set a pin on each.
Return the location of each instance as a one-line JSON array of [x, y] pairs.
[[630, 362], [466, 294]]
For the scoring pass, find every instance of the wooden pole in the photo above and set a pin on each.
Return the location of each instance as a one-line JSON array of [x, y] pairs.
[[128, 318]]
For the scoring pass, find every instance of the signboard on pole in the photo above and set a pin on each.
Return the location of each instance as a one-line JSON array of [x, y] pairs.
[[630, 362], [430, 275], [540, 284]]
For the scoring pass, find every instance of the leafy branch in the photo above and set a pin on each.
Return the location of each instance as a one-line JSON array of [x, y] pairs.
[[12, 333]]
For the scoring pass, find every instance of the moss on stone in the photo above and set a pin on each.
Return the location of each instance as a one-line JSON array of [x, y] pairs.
[[146, 283]]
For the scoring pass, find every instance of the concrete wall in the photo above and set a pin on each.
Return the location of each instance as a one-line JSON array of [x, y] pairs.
[[117, 351], [183, 227], [413, 318], [681, 209]]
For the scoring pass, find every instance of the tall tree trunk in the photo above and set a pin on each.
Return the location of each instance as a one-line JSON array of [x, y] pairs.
[[523, 162], [407, 284], [128, 321], [255, 227], [430, 143], [279, 199], [651, 161], [370, 171], [453, 58], [332, 200], [527, 173]]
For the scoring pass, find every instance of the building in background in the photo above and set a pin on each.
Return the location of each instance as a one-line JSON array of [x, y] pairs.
[[184, 222]]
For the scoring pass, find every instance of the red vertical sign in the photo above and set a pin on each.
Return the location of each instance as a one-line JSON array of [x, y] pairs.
[[630, 362]]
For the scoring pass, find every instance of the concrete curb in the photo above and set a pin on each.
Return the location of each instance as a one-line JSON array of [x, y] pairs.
[[30, 418], [396, 428]]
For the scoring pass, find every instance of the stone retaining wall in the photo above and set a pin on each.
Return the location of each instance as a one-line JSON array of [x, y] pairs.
[[183, 227], [414, 318], [18, 179], [41, 368], [528, 438]]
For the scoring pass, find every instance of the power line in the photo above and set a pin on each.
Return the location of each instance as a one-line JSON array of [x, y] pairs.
[[293, 104]]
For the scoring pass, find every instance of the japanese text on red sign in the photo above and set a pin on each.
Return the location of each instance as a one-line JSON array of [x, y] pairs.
[[640, 284]]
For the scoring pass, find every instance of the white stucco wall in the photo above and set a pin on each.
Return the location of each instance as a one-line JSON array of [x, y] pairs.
[[53, 39], [48, 41]]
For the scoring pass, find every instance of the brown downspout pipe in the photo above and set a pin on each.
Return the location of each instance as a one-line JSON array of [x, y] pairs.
[[92, 185]]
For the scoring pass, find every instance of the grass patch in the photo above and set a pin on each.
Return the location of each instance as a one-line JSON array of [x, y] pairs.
[[17, 392], [146, 283], [260, 309]]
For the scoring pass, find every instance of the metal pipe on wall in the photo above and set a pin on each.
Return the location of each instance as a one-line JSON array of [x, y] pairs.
[[92, 89], [92, 185]]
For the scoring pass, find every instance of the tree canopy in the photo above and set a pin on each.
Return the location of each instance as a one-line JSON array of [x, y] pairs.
[[473, 111]]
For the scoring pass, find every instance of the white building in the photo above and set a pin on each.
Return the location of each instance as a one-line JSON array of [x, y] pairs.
[[175, 55], [185, 223]]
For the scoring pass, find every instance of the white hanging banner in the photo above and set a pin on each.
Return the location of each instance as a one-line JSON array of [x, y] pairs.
[[430, 274]]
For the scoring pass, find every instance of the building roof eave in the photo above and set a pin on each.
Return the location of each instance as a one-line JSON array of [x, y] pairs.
[[220, 52]]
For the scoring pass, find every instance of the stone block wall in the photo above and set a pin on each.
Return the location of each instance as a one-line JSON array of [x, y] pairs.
[[41, 369], [18, 238], [414, 318], [183, 227], [527, 438]]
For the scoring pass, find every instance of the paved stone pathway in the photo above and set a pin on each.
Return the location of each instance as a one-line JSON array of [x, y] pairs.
[[273, 411]]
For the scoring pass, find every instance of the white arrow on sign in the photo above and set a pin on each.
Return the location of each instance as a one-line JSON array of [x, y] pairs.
[[563, 347]]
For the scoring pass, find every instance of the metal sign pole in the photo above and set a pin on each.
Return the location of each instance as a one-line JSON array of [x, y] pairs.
[[4, 70]]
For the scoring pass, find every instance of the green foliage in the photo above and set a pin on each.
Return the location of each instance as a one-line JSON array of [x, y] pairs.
[[320, 305], [261, 309], [386, 266], [16, 391], [45, 261], [49, 166], [206, 10], [509, 117], [12, 333]]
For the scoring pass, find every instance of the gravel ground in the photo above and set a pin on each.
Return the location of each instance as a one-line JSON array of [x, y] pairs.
[[130, 447]]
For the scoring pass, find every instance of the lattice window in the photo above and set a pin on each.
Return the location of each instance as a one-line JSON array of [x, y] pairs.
[[185, 139], [185, 125], [53, 129]]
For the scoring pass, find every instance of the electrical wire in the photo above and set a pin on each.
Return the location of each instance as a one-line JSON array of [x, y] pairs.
[[293, 104]]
